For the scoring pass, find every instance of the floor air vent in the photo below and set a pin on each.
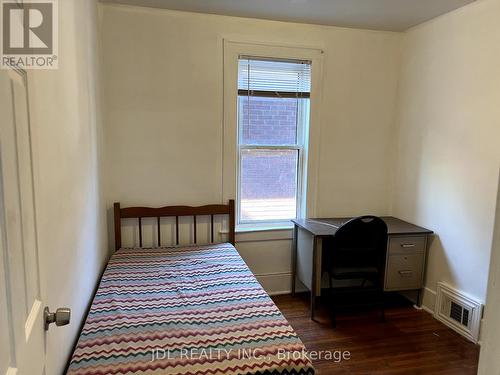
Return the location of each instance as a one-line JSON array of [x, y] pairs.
[[458, 311]]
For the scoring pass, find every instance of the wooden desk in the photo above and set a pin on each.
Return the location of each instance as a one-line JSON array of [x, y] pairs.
[[405, 257]]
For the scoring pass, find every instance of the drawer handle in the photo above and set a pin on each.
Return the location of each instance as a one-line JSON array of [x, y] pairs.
[[406, 273], [407, 245]]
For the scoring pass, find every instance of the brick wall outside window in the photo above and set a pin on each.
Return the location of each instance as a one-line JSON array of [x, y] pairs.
[[271, 121], [268, 121]]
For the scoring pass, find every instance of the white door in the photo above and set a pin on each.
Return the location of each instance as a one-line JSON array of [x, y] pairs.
[[22, 334]]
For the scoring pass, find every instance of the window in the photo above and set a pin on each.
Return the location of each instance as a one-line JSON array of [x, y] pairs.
[[273, 122]]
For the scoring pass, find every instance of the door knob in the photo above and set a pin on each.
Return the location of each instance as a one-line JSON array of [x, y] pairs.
[[61, 317]]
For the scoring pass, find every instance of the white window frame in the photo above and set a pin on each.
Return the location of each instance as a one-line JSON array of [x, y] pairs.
[[301, 147], [308, 158]]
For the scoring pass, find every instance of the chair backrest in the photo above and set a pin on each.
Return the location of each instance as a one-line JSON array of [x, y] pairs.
[[360, 242]]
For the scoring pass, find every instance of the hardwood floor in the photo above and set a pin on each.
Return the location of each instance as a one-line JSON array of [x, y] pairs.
[[409, 342]]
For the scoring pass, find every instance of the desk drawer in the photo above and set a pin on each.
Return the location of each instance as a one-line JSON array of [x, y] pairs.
[[406, 245], [404, 272]]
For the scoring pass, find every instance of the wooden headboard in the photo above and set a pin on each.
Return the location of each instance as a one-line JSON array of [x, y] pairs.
[[173, 211]]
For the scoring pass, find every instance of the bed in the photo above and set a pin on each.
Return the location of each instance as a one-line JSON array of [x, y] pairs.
[[193, 309]]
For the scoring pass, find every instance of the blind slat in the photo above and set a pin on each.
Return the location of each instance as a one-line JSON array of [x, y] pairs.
[[275, 94], [274, 76]]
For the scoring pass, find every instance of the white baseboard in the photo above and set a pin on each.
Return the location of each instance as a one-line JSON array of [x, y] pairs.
[[429, 300], [427, 309]]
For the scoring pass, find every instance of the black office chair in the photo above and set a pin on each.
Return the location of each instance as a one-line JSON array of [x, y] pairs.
[[357, 253]]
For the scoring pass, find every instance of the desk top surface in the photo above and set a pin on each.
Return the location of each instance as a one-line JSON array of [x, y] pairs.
[[328, 226]]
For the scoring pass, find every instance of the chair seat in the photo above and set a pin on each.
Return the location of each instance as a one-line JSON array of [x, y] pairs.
[[353, 272]]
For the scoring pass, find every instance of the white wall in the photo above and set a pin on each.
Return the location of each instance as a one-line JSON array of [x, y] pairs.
[[163, 107], [489, 359], [70, 212], [449, 141]]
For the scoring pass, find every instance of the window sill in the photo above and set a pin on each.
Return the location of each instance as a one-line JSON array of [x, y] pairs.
[[263, 228]]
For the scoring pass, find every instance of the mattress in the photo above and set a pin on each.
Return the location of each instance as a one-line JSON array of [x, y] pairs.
[[185, 310]]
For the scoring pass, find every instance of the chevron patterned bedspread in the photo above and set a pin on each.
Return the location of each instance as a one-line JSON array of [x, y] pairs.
[[185, 310]]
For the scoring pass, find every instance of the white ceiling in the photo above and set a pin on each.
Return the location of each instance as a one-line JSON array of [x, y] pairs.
[[394, 15]]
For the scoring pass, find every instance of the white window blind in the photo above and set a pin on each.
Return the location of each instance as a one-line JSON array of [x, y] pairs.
[[275, 78]]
